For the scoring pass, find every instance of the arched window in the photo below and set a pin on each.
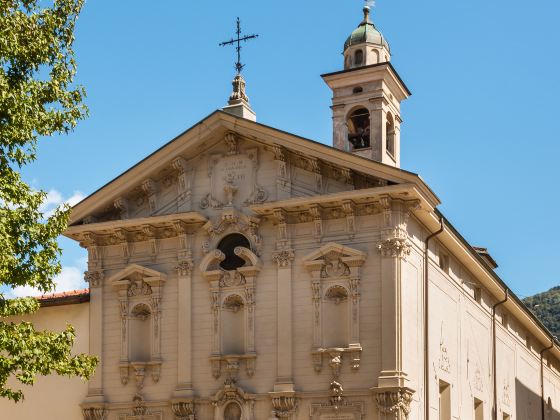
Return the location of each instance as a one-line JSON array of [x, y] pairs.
[[359, 128], [140, 327], [227, 245], [336, 317], [390, 135], [233, 325], [232, 411], [358, 58], [348, 62]]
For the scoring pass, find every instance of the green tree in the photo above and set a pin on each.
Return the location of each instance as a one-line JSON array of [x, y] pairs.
[[37, 98]]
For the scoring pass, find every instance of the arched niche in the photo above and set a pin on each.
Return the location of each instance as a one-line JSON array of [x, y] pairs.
[[335, 272], [232, 411], [336, 312], [232, 403], [390, 135], [233, 325], [139, 292], [140, 322], [232, 302]]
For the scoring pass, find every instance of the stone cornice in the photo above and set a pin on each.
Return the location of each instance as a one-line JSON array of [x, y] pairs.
[[169, 221], [341, 200]]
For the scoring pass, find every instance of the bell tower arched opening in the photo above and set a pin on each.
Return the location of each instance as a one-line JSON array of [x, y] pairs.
[[358, 123], [390, 135]]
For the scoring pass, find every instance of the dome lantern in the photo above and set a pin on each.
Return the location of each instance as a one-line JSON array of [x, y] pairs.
[[365, 45]]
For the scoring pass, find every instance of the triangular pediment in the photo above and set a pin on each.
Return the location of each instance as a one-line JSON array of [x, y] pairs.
[[134, 272], [332, 251], [203, 168]]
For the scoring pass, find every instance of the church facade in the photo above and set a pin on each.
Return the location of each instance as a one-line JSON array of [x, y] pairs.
[[244, 273]]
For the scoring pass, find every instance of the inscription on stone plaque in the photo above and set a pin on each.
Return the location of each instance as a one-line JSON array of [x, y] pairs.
[[339, 416]]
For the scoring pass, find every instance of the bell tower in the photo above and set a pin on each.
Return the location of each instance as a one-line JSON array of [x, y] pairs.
[[367, 96]]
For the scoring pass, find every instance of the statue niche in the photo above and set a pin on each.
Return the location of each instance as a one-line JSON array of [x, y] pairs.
[[139, 291], [335, 283]]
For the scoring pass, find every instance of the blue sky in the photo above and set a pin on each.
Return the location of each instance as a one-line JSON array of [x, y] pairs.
[[480, 128]]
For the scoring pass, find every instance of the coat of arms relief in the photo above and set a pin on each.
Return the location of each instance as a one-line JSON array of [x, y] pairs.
[[233, 177]]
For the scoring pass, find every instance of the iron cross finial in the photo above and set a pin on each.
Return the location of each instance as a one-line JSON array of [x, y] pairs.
[[238, 40]]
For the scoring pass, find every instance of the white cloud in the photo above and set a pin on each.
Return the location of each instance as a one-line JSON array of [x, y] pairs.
[[70, 278], [55, 199]]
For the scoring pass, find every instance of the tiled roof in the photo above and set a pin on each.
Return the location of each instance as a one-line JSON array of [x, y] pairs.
[[64, 298]]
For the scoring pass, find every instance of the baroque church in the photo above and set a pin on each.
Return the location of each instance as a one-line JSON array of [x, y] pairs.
[[241, 272]]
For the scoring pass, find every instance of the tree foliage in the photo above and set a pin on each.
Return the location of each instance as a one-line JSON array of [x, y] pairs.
[[37, 98], [546, 306]]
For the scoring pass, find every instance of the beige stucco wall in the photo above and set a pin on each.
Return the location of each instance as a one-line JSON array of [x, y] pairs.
[[461, 345], [54, 397]]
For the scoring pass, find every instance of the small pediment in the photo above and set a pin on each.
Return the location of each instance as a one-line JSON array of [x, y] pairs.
[[135, 272], [332, 251], [334, 260]]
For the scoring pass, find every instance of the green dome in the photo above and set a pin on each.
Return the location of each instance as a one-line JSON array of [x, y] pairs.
[[366, 32]]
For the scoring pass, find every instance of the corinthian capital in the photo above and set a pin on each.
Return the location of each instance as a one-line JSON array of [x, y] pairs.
[[184, 267], [283, 258], [393, 403], [394, 247]]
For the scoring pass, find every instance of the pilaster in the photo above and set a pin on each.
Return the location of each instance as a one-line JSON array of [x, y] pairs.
[[393, 247], [284, 380], [95, 384]]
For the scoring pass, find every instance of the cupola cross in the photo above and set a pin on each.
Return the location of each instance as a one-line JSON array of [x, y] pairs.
[[237, 41]]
